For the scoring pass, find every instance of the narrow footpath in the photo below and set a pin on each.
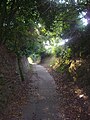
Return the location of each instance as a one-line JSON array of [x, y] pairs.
[[43, 103]]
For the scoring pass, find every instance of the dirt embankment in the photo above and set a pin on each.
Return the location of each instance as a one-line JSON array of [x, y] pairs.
[[11, 86]]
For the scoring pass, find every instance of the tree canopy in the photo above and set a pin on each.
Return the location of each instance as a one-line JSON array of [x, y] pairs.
[[26, 23]]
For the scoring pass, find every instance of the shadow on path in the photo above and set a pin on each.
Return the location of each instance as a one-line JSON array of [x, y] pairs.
[[43, 103]]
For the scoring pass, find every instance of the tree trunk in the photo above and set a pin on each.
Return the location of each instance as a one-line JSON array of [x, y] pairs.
[[20, 69]]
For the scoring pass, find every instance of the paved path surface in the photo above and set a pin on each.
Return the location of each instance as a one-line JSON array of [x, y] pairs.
[[43, 103]]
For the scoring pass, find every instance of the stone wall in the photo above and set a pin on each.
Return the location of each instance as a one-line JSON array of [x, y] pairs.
[[25, 68]]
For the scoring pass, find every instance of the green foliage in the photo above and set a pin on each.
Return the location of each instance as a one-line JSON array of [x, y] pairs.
[[35, 58], [19, 24], [62, 68], [62, 52]]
